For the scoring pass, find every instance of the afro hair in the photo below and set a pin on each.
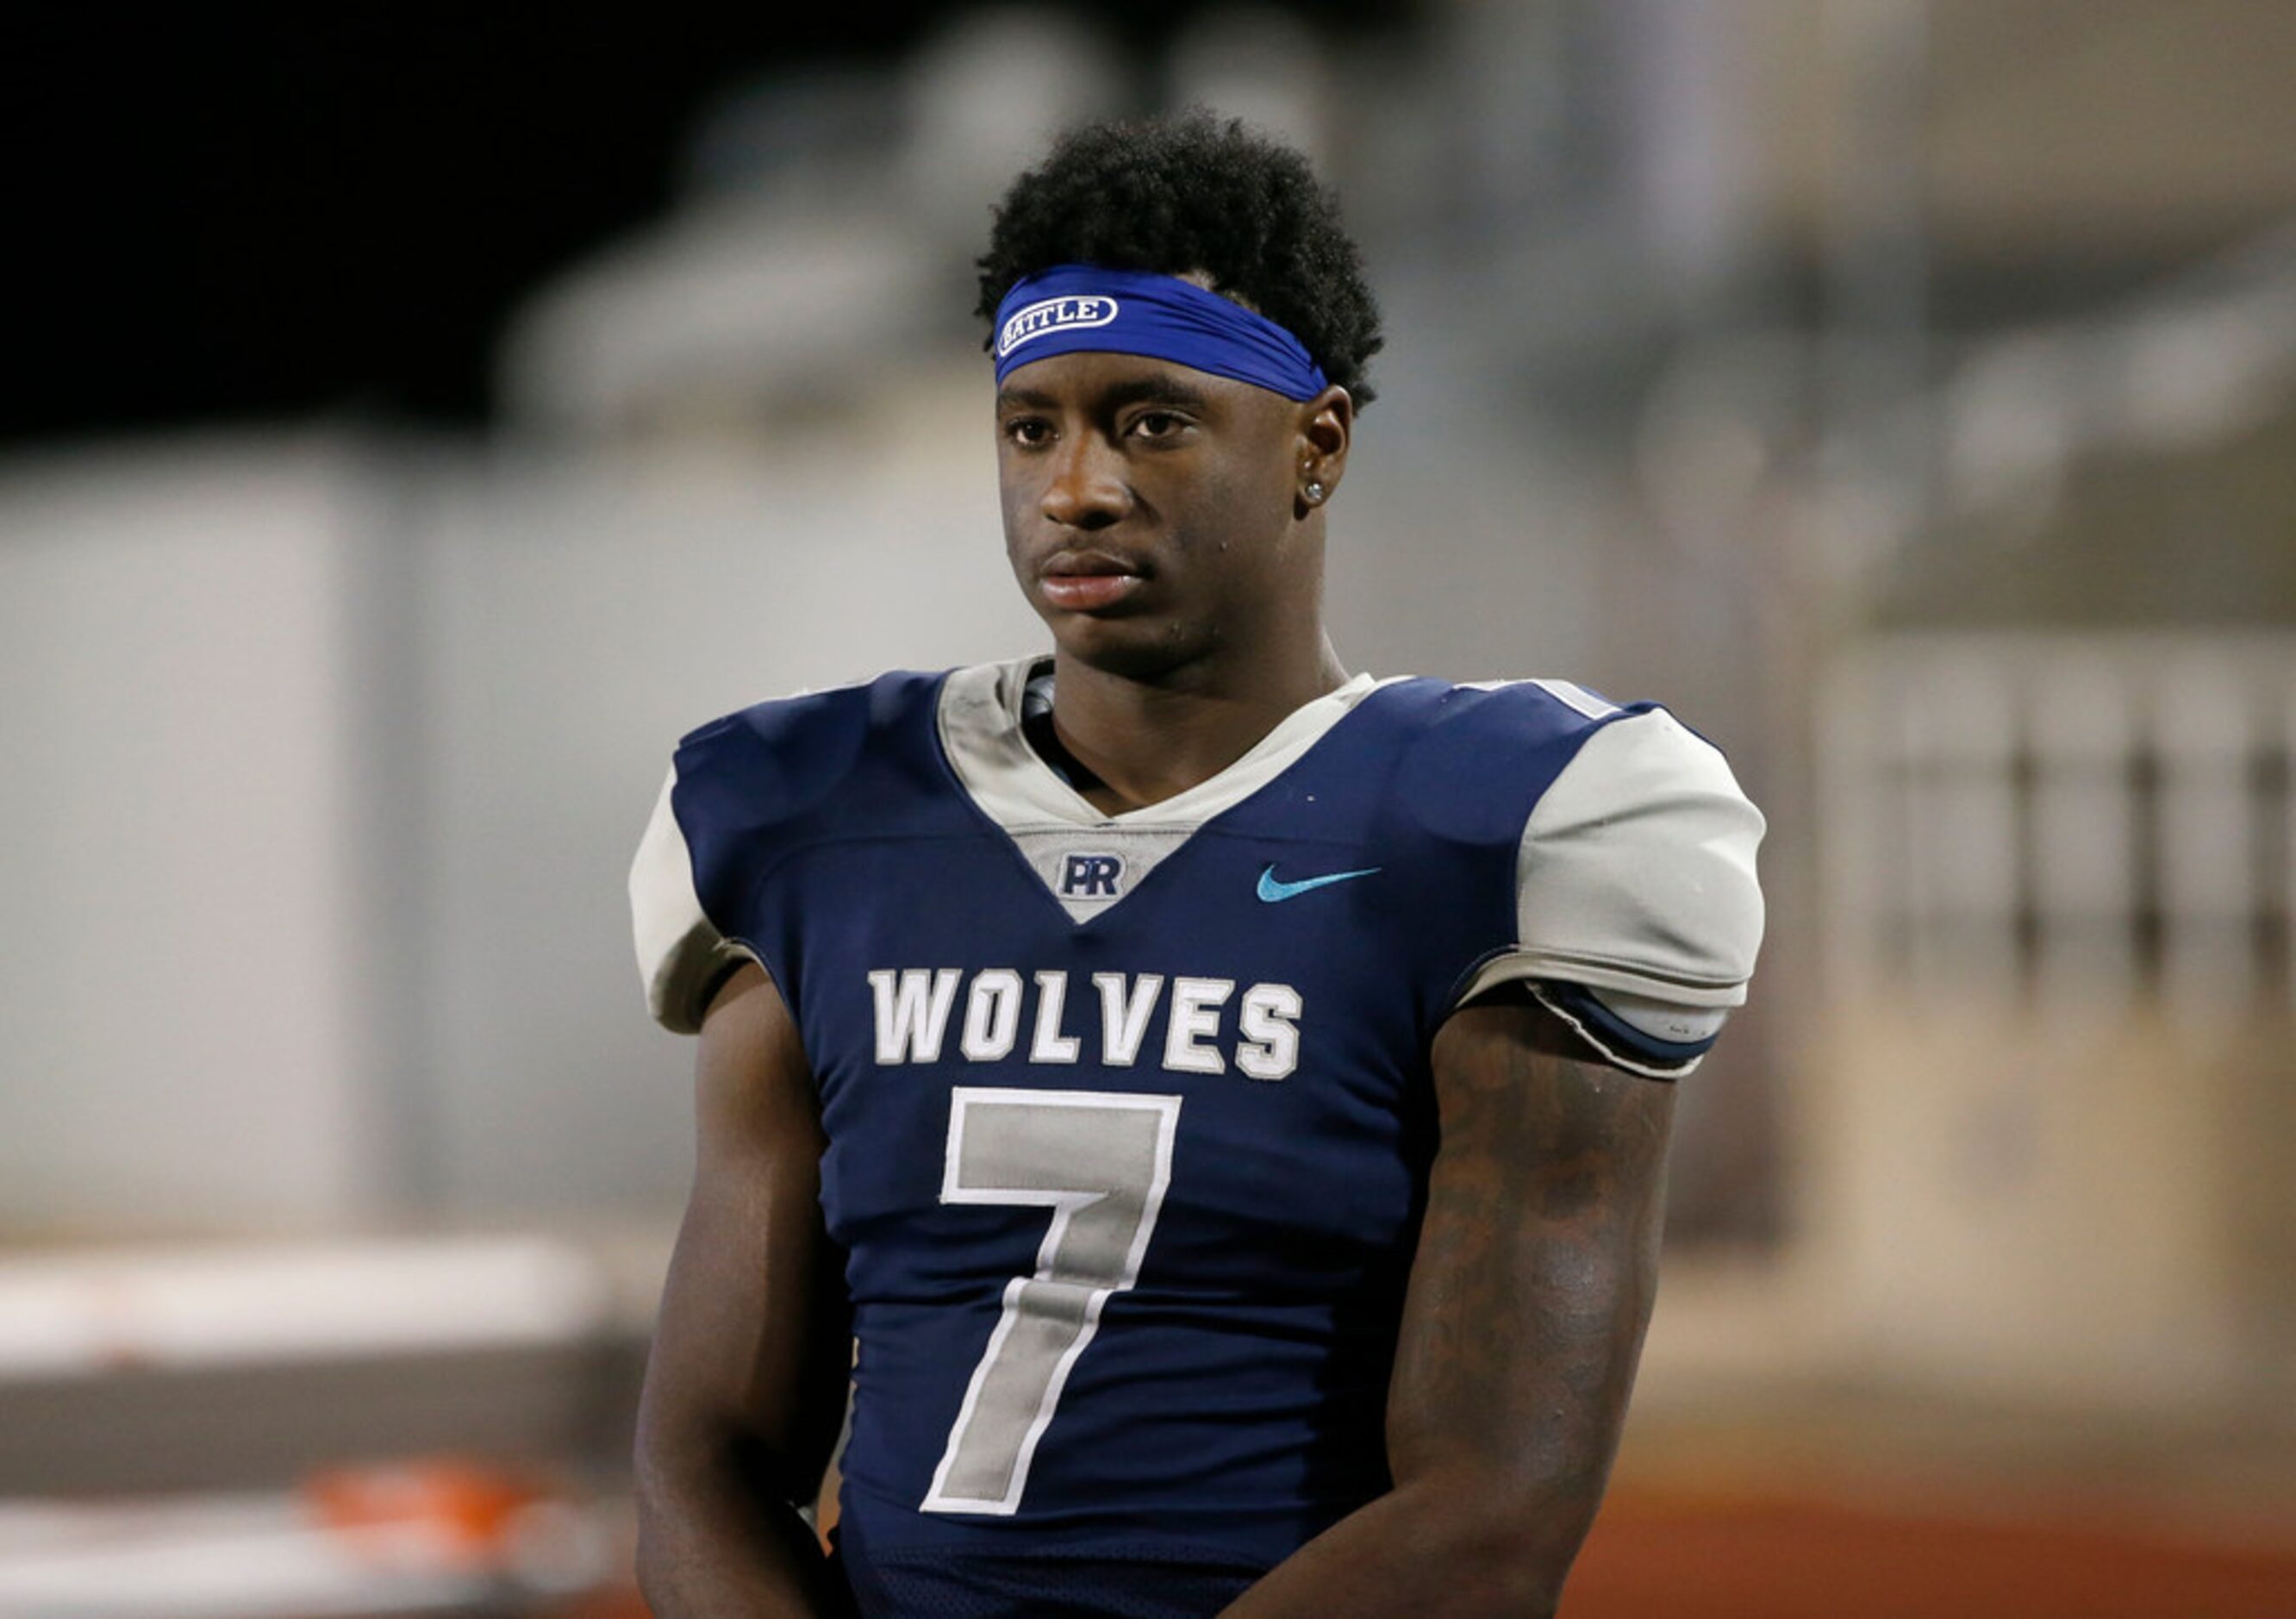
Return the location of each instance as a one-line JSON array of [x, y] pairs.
[[1192, 194]]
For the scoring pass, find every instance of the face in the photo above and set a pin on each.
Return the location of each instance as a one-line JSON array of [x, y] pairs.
[[1153, 512]]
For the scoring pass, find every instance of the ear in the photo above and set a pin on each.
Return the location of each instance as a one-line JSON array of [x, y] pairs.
[[1327, 425]]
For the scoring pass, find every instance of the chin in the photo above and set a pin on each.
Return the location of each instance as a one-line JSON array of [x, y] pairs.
[[1143, 648]]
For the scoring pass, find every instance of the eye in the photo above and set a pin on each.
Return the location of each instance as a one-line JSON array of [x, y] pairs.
[[1028, 430], [1159, 424]]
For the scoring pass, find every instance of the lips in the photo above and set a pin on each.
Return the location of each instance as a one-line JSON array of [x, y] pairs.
[[1087, 581]]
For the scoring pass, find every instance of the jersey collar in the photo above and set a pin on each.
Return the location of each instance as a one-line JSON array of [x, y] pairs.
[[980, 733]]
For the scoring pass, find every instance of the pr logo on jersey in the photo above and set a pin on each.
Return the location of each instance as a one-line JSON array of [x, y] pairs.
[[1092, 876], [1050, 314]]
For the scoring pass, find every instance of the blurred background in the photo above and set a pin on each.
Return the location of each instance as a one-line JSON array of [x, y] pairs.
[[411, 430]]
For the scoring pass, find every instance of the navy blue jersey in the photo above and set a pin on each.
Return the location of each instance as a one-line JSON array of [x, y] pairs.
[[1129, 1118]]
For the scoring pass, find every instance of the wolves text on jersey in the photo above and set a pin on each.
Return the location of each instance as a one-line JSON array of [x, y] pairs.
[[916, 1006]]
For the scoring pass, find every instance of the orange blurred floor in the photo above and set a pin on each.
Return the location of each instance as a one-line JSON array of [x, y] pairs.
[[1687, 1557]]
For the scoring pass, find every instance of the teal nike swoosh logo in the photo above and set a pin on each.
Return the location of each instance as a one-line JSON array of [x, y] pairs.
[[1271, 891]]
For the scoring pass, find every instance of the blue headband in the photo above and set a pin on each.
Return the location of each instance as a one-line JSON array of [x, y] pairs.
[[1078, 308]]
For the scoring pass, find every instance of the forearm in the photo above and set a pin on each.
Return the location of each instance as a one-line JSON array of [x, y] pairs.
[[712, 1541], [1487, 1529], [1433, 1549]]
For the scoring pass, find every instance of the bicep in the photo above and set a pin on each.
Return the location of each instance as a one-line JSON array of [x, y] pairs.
[[750, 1353], [1536, 1264]]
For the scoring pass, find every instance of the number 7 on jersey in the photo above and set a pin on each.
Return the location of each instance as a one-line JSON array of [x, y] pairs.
[[1100, 1161]]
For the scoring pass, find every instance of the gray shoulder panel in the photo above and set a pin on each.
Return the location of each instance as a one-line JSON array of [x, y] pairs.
[[680, 954], [1636, 873]]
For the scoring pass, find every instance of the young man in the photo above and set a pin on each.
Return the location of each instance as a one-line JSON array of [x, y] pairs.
[[1215, 1107]]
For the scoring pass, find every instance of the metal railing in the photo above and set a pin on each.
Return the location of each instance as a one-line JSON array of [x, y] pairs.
[[2053, 818]]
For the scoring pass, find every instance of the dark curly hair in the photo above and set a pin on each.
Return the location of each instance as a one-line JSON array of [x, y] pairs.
[[1194, 193]]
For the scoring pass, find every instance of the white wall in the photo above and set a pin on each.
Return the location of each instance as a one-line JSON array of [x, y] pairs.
[[177, 955]]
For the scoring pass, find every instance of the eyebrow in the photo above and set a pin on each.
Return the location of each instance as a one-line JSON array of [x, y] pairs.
[[1157, 387]]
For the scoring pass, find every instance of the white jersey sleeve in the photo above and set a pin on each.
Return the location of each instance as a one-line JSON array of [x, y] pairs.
[[1638, 910], [682, 957]]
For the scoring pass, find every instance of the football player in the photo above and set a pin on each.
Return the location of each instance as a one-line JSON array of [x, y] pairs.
[[1213, 1106]]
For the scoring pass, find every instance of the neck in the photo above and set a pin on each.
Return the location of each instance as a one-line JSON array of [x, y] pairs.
[[1149, 740]]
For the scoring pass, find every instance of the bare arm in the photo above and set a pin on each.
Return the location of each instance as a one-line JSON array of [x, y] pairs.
[[745, 1386], [1533, 1281]]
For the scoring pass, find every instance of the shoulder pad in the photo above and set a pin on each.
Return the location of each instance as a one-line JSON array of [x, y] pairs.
[[740, 789], [1635, 887], [1488, 750]]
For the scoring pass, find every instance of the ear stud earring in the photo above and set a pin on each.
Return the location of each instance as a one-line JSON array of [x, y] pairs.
[[1315, 493]]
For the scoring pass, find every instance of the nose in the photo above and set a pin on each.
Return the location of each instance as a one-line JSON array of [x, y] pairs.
[[1086, 486]]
